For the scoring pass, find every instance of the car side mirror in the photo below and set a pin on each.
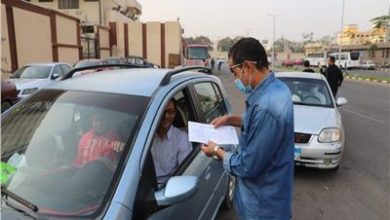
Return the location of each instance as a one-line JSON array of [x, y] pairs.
[[55, 75], [178, 189], [341, 101]]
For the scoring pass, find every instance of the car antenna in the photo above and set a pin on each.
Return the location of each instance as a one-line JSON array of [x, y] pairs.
[[168, 75]]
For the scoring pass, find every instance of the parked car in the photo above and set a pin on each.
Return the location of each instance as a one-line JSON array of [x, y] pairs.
[[319, 131], [87, 63], [288, 63], [368, 65], [134, 100], [32, 77], [114, 60], [140, 61], [9, 94]]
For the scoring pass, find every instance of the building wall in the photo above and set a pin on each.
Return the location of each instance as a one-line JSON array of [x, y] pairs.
[[89, 11], [67, 29], [104, 42], [135, 38], [119, 51], [5, 43], [34, 34], [153, 39], [32, 46], [68, 55], [173, 41]]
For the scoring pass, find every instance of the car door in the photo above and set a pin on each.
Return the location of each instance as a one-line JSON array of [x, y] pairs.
[[196, 164], [212, 105]]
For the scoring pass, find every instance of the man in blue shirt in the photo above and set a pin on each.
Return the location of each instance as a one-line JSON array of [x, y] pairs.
[[264, 162]]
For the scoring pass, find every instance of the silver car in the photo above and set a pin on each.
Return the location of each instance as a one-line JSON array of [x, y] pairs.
[[32, 77], [42, 134], [319, 131]]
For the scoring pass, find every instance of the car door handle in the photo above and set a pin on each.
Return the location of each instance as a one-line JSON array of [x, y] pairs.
[[207, 173]]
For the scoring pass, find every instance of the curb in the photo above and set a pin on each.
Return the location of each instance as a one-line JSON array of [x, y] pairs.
[[367, 79]]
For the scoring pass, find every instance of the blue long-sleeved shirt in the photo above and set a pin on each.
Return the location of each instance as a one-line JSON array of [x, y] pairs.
[[264, 162]]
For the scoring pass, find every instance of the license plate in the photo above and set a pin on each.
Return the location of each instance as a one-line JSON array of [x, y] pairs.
[[297, 153]]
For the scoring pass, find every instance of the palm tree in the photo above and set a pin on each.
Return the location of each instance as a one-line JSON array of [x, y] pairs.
[[381, 21]]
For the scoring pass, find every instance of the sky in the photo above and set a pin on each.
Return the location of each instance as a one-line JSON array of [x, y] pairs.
[[217, 19]]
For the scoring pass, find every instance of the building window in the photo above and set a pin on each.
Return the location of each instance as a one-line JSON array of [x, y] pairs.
[[68, 4], [383, 53], [45, 0], [387, 53]]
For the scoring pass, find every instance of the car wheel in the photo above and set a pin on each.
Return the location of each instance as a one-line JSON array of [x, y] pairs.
[[228, 201], [5, 105]]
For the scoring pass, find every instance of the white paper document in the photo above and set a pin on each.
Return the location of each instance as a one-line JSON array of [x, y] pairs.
[[199, 132]]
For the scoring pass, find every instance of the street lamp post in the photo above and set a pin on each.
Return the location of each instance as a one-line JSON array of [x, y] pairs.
[[341, 33], [273, 41]]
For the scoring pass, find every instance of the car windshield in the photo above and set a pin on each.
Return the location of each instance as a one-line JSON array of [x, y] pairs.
[[32, 72], [62, 149], [197, 53], [312, 92]]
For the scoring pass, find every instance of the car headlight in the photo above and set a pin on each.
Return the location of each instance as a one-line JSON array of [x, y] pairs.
[[329, 135], [29, 91]]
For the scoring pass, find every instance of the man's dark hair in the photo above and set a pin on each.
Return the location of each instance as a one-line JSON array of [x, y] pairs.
[[306, 63], [332, 59], [249, 49]]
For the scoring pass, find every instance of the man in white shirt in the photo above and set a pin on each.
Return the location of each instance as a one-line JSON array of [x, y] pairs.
[[170, 145]]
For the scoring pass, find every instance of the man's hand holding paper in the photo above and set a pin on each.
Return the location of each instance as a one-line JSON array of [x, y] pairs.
[[202, 133]]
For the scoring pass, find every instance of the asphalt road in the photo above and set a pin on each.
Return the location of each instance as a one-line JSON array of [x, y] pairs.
[[360, 188], [369, 73]]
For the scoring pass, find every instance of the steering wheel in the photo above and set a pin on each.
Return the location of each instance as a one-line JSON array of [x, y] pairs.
[[312, 99]]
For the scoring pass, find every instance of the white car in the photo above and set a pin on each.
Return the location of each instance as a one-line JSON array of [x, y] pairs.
[[368, 65], [32, 77], [319, 131]]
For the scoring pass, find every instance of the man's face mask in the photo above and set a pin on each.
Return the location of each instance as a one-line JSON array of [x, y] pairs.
[[240, 85]]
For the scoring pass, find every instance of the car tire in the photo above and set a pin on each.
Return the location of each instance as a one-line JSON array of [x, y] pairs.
[[5, 105], [228, 201]]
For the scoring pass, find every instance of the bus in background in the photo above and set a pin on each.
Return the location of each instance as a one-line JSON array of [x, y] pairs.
[[196, 55], [317, 59], [348, 60]]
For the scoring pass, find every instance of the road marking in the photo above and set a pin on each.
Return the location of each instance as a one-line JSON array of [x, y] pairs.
[[363, 116]]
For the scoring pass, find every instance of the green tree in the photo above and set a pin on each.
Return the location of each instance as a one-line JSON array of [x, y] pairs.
[[226, 43], [326, 40], [308, 37], [381, 21]]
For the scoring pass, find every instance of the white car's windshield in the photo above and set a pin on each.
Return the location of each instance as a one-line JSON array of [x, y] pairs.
[[61, 150], [311, 92], [32, 72]]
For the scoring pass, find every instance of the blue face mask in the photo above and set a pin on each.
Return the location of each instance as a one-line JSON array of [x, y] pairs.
[[240, 85]]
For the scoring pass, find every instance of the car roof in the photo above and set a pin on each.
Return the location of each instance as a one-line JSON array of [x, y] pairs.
[[136, 81], [306, 75], [45, 64]]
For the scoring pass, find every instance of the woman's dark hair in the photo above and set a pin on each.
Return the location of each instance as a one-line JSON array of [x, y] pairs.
[[306, 63], [332, 59], [249, 49]]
